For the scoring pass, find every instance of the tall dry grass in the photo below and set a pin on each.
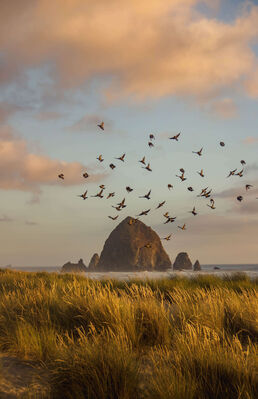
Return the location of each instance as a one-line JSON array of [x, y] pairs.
[[170, 338]]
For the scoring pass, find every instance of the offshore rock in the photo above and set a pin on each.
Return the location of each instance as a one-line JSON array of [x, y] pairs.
[[93, 262], [74, 267], [182, 262], [133, 246], [197, 266]]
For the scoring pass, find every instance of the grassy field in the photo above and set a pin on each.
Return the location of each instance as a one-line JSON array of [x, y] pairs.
[[162, 339]]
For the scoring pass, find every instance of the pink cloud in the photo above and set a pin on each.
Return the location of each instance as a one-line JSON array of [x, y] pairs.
[[148, 48], [22, 170], [250, 140]]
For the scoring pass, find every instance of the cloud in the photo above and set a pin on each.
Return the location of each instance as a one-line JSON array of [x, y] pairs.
[[248, 208], [143, 48], [23, 170], [250, 140], [5, 218], [47, 115], [225, 108]]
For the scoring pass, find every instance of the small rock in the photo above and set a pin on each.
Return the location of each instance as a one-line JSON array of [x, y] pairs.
[[182, 262], [197, 266], [74, 267]]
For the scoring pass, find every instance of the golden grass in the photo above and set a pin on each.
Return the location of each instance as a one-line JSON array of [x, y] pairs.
[[172, 338]]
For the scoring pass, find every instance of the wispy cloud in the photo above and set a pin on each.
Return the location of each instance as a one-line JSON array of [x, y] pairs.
[[5, 218], [48, 115], [250, 140], [180, 51]]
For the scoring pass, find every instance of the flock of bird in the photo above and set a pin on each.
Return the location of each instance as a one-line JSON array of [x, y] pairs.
[[205, 192]]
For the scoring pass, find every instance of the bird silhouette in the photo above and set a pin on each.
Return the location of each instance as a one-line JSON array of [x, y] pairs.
[[99, 158], [248, 186], [182, 170], [122, 158], [182, 227], [110, 195], [182, 177], [232, 172], [61, 176], [99, 194], [240, 198], [122, 203], [222, 144], [151, 137], [147, 196], [112, 166], [166, 215], [243, 162], [198, 152], [147, 167], [102, 186], [118, 208], [201, 173], [101, 125], [212, 204], [144, 213], [160, 204], [175, 137], [84, 195], [167, 238], [129, 189], [170, 186], [85, 175], [113, 217], [193, 211], [170, 219], [190, 188], [240, 173], [150, 144], [143, 161]]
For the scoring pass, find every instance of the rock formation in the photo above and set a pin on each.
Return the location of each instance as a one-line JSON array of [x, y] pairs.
[[182, 262], [133, 246], [74, 267], [93, 262], [197, 266]]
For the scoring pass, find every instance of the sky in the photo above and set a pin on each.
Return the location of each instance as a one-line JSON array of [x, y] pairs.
[[142, 67]]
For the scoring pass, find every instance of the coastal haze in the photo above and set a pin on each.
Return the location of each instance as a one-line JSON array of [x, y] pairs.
[[192, 69]]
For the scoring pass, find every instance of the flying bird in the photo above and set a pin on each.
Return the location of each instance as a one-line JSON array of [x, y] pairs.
[[160, 204], [151, 137], [143, 161], [175, 137], [61, 176], [170, 186], [248, 186], [222, 144], [182, 170], [144, 213], [112, 166], [190, 189], [85, 175], [129, 189], [240, 173], [147, 196], [243, 162], [113, 217], [84, 195], [198, 152], [99, 194], [122, 158], [193, 211], [122, 204], [240, 198], [166, 215], [167, 238], [182, 177], [150, 144], [232, 172], [101, 125], [110, 195], [147, 167], [182, 227], [201, 173], [170, 219], [102, 186], [99, 158], [212, 204]]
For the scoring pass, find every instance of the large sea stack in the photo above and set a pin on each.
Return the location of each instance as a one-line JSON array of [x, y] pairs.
[[133, 246], [74, 267], [182, 262]]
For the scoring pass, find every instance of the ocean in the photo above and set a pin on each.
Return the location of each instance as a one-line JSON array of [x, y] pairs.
[[221, 269]]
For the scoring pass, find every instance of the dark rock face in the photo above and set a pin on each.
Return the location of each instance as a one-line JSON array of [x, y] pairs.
[[74, 267], [182, 262], [197, 266], [133, 246], [93, 262]]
